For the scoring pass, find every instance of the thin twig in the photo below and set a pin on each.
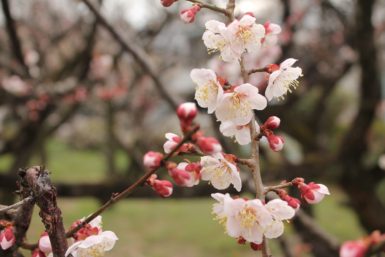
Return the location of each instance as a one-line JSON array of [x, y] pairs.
[[211, 7], [16, 205], [256, 70], [280, 186], [138, 55], [116, 197]]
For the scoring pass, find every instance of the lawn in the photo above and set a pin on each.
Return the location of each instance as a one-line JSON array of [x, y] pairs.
[[166, 227]]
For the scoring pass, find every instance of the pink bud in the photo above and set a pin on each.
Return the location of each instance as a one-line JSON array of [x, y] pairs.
[[167, 3], [291, 201], [187, 111], [7, 238], [313, 193], [162, 187], [353, 249], [209, 145], [38, 253], [275, 142], [272, 122], [188, 15], [152, 160], [45, 243], [172, 142], [184, 175]]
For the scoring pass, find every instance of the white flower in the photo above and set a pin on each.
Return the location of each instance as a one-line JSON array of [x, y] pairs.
[[220, 172], [208, 91], [219, 207], [93, 246], [247, 219], [240, 132], [246, 34], [238, 106], [271, 37], [45, 243], [218, 39], [279, 210], [283, 80]]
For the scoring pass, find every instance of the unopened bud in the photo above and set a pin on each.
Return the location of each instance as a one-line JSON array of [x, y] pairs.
[[275, 142], [313, 193], [209, 145], [188, 15], [187, 111], [162, 187], [152, 160], [45, 243], [256, 247], [7, 238], [272, 122]]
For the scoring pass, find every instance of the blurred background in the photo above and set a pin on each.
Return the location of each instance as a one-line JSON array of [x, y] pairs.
[[73, 99]]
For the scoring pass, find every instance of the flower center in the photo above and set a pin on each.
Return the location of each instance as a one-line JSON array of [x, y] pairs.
[[244, 33], [240, 106], [248, 217], [207, 91]]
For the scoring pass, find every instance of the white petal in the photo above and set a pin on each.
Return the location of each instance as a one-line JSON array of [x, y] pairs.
[[228, 129], [233, 227], [274, 230], [280, 209], [247, 20], [287, 63], [243, 136], [323, 189], [215, 26]]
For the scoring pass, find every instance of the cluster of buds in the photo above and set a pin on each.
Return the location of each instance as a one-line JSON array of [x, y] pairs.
[[275, 142], [360, 247], [311, 193], [7, 236]]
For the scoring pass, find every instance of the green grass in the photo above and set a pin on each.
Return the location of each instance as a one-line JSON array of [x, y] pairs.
[[166, 227]]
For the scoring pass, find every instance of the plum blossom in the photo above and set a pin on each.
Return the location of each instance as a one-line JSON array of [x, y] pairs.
[[313, 193], [272, 122], [246, 35], [280, 211], [218, 39], [247, 219], [271, 34], [7, 238], [93, 246], [183, 175], [220, 172], [283, 80], [238, 106], [208, 91], [164, 188], [241, 133]]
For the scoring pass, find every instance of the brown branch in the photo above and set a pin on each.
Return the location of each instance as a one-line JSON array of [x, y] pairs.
[[256, 70], [16, 205], [38, 182], [116, 197], [14, 39], [138, 55], [211, 7]]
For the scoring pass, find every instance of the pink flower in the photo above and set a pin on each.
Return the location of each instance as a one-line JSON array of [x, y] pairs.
[[209, 145], [152, 160], [184, 175], [271, 34], [272, 122], [187, 111], [167, 3], [356, 248], [275, 142], [313, 193], [172, 141], [45, 243], [7, 238], [188, 15]]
